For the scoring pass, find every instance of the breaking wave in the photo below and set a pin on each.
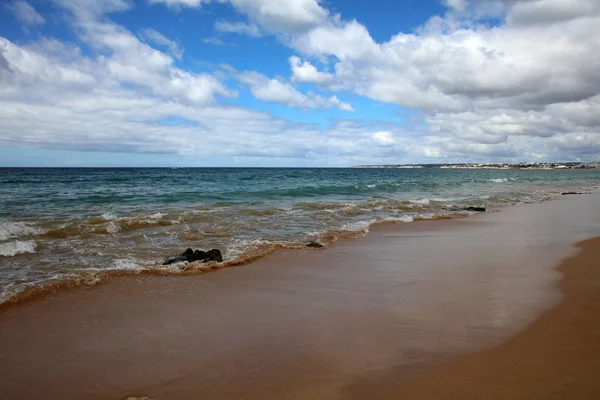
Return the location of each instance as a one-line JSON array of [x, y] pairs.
[[501, 180], [13, 248], [10, 230]]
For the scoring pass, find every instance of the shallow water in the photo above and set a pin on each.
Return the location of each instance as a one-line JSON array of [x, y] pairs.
[[60, 224]]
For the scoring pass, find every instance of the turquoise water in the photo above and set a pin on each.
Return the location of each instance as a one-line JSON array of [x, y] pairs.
[[76, 224]]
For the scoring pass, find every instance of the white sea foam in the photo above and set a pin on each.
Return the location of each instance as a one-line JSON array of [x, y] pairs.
[[364, 226], [312, 234], [10, 229], [422, 201], [358, 226], [498, 180], [148, 219], [120, 264], [447, 199], [10, 249], [238, 247], [108, 216], [174, 268], [126, 264], [427, 216], [207, 210], [406, 218], [113, 227]]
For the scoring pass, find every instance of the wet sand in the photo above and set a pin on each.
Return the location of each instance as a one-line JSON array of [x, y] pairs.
[[557, 357], [361, 320]]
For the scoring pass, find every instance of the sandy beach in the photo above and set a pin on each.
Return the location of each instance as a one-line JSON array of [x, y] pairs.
[[557, 357], [435, 309]]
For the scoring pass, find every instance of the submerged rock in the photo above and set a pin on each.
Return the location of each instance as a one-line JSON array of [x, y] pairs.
[[190, 255], [315, 245], [477, 209]]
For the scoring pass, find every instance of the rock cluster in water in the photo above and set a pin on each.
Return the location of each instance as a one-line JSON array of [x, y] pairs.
[[315, 245], [190, 255], [476, 209]]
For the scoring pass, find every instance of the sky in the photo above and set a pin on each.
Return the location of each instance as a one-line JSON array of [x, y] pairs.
[[299, 83]]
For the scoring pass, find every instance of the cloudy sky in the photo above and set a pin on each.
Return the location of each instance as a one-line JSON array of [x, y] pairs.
[[298, 82]]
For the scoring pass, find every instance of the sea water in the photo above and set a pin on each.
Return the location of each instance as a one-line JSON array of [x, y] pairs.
[[77, 225]]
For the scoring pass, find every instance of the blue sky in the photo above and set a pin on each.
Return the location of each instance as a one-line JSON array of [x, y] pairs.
[[297, 82]]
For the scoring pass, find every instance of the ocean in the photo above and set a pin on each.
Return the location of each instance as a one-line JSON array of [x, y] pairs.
[[76, 226]]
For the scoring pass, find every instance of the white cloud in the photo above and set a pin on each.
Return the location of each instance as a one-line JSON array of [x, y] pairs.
[[522, 90], [342, 105], [304, 71], [459, 5], [524, 11], [383, 138], [450, 67], [273, 90], [279, 91], [158, 38], [551, 11], [44, 71], [127, 60], [475, 9], [88, 117], [180, 3], [238, 27], [94, 8], [283, 15], [290, 16], [25, 13], [214, 41], [491, 89], [347, 41]]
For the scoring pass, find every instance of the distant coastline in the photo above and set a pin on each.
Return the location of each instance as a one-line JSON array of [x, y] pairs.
[[524, 165]]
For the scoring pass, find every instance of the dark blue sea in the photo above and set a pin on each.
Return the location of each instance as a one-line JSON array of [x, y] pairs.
[[78, 225]]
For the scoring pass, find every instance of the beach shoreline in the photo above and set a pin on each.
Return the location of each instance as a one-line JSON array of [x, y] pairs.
[[78, 227], [556, 357], [89, 279], [308, 324], [92, 278]]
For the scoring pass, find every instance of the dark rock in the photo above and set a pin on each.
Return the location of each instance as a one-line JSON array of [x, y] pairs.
[[214, 255], [190, 255], [197, 255], [567, 193], [477, 209], [315, 245]]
